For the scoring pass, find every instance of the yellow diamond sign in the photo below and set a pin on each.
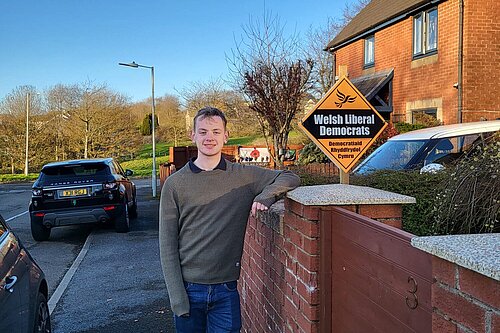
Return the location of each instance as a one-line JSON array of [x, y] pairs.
[[343, 124]]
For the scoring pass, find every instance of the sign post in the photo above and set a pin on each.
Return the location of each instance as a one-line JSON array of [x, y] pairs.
[[343, 124]]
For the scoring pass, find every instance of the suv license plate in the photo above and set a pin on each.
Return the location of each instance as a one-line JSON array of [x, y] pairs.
[[74, 193]]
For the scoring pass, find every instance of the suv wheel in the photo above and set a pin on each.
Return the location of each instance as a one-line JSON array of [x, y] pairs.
[[39, 232], [122, 222], [42, 316]]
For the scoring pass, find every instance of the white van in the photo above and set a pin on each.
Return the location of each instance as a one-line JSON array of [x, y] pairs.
[[427, 149]]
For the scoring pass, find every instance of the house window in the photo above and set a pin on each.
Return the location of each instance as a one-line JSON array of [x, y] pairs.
[[424, 116], [425, 32], [369, 51]]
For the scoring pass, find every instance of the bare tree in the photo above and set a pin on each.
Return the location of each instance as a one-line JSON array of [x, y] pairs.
[[214, 93], [73, 121], [13, 129], [89, 106], [323, 72], [11, 142], [172, 124], [322, 76], [99, 122], [61, 99], [352, 9], [267, 68]]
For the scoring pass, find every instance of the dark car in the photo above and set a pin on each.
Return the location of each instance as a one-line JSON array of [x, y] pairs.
[[23, 288], [81, 192]]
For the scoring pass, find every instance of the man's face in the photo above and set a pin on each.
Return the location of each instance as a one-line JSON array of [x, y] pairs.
[[209, 135]]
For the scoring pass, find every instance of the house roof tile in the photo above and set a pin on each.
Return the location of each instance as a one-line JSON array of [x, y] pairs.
[[374, 14]]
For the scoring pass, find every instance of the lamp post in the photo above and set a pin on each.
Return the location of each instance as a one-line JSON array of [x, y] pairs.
[[134, 65], [27, 132]]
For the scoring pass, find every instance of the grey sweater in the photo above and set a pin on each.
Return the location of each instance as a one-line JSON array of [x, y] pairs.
[[203, 218]]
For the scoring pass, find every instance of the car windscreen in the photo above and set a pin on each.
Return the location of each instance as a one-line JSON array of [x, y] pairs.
[[84, 171], [392, 155]]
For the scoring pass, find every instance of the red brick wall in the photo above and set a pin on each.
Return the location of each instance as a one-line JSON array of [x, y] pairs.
[[481, 59], [435, 80], [463, 300], [279, 279], [280, 267], [279, 284]]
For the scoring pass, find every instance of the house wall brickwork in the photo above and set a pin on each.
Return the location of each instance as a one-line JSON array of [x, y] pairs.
[[428, 82], [481, 60], [463, 300]]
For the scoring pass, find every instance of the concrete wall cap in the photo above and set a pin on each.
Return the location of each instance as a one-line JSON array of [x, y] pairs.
[[479, 252], [342, 195]]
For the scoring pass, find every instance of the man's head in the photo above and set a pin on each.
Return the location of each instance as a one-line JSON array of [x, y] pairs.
[[209, 112], [209, 131]]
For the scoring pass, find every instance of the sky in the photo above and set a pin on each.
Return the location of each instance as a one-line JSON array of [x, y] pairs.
[[48, 42]]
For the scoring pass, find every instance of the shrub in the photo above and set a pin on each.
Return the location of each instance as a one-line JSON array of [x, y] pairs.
[[418, 217], [426, 119], [405, 127], [421, 120], [315, 179], [469, 200], [311, 154]]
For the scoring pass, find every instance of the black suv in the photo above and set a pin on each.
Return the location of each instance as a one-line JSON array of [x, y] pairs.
[[79, 192]]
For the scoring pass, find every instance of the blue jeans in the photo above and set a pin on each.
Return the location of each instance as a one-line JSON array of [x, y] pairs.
[[214, 308]]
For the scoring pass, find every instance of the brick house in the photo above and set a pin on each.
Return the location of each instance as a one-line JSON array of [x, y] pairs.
[[439, 57]]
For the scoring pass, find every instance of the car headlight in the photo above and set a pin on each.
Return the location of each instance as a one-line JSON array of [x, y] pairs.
[[37, 192]]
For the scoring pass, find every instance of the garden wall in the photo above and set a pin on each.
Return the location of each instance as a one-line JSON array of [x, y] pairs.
[[466, 291], [281, 281]]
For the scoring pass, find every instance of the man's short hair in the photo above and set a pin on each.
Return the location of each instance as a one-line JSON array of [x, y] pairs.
[[208, 112]]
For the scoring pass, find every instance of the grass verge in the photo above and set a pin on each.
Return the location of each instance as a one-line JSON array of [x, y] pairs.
[[143, 167], [9, 178]]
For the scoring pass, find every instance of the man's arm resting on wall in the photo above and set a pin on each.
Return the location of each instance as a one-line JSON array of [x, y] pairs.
[[273, 185]]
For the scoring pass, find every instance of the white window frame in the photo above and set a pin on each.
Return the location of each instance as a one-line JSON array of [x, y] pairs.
[[425, 32], [369, 51]]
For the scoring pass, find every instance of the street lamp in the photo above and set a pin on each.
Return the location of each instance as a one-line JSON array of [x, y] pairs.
[[27, 132], [134, 65]]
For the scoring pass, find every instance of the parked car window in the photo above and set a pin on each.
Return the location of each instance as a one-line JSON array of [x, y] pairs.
[[73, 171], [397, 153], [450, 149], [79, 170], [118, 168]]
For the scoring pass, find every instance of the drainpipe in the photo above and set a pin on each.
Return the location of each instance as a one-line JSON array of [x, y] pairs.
[[334, 55], [460, 58]]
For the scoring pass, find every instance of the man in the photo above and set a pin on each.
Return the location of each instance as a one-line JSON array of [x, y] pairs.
[[204, 210]]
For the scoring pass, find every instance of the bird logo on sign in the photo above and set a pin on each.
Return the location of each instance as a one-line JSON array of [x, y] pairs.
[[344, 99]]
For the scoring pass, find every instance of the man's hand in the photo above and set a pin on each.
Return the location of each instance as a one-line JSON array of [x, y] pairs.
[[257, 206]]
